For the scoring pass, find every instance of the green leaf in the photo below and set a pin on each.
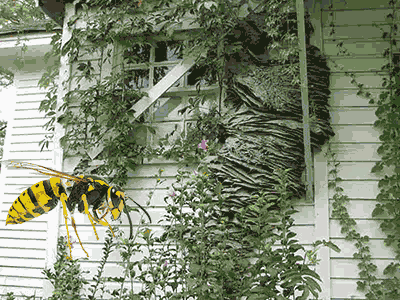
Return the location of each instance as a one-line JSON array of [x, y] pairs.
[[377, 211], [102, 119], [333, 246], [63, 142], [310, 273], [304, 295], [183, 110], [218, 188], [243, 10], [131, 164], [209, 4], [378, 167], [313, 285], [81, 66]]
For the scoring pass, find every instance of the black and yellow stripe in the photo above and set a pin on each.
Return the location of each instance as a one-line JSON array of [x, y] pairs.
[[88, 192], [35, 201]]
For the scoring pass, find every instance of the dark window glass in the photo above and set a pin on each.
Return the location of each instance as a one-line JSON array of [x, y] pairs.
[[168, 51], [202, 74], [160, 72], [137, 54], [137, 79]]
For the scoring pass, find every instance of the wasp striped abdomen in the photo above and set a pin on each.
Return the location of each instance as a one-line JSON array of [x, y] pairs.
[[35, 201], [88, 192]]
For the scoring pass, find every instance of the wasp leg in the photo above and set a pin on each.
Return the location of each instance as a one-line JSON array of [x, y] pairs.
[[104, 214], [77, 235], [101, 209], [63, 198], [91, 218], [104, 222], [89, 214]]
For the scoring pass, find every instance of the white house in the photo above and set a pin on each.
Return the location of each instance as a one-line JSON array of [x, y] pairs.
[[25, 249]]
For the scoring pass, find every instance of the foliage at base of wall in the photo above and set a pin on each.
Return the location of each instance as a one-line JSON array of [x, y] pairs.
[[197, 257]]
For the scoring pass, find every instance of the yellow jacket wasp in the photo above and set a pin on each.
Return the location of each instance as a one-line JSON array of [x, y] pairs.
[[87, 192]]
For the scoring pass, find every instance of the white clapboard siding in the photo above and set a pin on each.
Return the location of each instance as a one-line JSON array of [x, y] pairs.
[[23, 246], [356, 140], [138, 188], [164, 117]]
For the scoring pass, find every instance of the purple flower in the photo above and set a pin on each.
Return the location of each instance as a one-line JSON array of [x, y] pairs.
[[166, 263], [71, 241], [173, 194], [203, 145]]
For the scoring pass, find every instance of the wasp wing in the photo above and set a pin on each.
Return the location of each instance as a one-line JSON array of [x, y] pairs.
[[46, 171]]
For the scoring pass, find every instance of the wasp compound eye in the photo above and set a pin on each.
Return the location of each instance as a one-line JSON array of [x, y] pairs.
[[116, 201]]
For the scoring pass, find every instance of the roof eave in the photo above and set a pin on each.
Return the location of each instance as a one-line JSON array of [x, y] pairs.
[[55, 9]]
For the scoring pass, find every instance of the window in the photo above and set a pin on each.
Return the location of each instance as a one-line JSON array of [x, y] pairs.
[[145, 65]]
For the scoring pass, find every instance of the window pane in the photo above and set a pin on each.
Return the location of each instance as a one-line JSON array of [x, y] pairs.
[[137, 54], [168, 51], [197, 74], [137, 79], [160, 72]]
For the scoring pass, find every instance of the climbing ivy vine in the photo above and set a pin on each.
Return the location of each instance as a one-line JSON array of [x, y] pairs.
[[387, 211], [106, 94], [104, 107]]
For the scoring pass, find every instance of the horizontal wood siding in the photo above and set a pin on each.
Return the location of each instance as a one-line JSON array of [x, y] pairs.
[[142, 182], [356, 141], [23, 246]]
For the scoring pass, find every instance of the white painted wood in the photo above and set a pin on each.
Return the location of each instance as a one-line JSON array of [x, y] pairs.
[[160, 88], [153, 94], [356, 140], [321, 230], [5, 206], [18, 248], [65, 70], [37, 39]]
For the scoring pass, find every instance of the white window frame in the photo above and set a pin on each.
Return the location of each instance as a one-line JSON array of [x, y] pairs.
[[164, 87]]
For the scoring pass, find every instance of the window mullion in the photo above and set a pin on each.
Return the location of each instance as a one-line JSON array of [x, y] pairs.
[[151, 77], [151, 71]]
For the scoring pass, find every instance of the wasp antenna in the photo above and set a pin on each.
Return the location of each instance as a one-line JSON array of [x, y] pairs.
[[141, 207], [130, 223]]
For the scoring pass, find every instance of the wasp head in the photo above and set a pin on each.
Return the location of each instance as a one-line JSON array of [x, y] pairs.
[[115, 198]]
